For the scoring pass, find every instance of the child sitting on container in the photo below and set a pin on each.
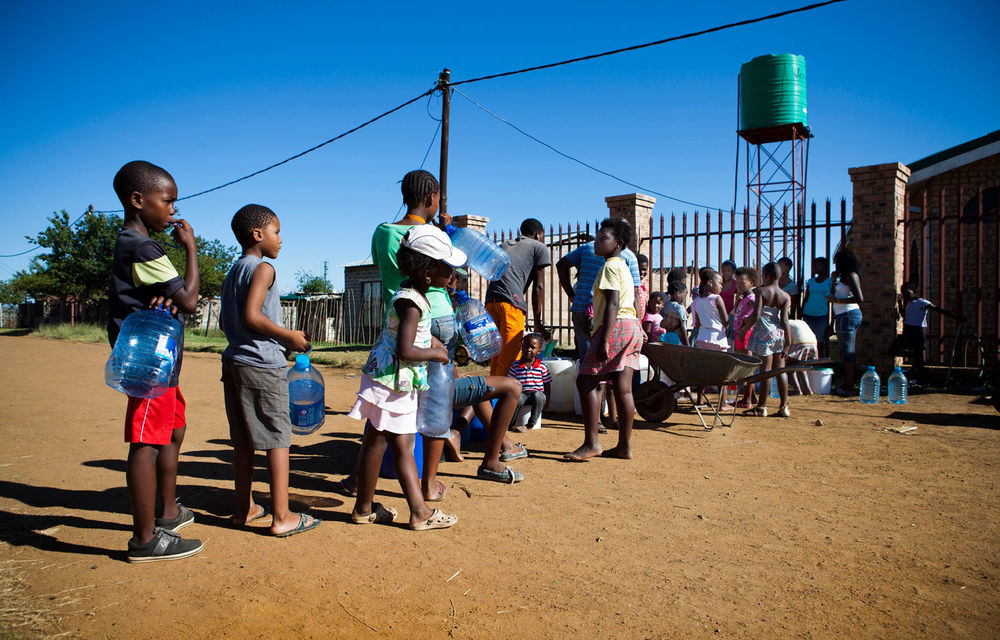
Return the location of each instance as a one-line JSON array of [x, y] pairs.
[[391, 379], [652, 318], [803, 347], [616, 339], [746, 280], [534, 377], [914, 311], [253, 371]]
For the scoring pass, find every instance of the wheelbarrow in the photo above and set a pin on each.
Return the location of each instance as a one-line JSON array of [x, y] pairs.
[[692, 367]]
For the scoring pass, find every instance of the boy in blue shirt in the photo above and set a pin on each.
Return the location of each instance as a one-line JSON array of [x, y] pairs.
[[253, 371], [142, 276]]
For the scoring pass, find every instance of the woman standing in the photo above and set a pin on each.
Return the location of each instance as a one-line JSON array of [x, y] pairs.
[[846, 299]]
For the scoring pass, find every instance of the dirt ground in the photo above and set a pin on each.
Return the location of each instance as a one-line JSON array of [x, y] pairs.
[[772, 528]]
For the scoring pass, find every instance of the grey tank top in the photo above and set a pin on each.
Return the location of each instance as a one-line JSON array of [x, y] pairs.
[[246, 346]]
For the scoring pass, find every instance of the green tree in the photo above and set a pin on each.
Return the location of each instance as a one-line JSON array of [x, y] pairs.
[[214, 261], [313, 285]]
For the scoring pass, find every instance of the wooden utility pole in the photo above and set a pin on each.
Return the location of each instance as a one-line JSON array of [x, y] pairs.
[[444, 84]]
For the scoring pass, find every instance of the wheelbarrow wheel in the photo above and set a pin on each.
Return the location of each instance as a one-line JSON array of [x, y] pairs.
[[461, 356], [654, 401]]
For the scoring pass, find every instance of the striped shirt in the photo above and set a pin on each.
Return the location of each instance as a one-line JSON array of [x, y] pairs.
[[533, 376]]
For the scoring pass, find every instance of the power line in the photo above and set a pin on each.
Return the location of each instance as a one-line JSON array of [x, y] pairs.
[[685, 36], [581, 162], [36, 248]]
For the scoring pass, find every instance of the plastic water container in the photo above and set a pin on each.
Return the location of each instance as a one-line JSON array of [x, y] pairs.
[[476, 326], [870, 384], [434, 405], [774, 387], [145, 353], [388, 467], [488, 260], [305, 397], [563, 385], [821, 380], [898, 387]]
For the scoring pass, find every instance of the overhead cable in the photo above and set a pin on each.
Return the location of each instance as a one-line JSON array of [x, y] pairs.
[[581, 162], [685, 36]]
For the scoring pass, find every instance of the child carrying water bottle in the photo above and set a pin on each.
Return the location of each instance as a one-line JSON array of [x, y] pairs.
[[391, 379]]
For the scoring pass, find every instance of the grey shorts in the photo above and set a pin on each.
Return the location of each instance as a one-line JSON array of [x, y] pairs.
[[256, 406]]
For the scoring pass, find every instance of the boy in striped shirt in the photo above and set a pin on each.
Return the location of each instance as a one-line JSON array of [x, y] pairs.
[[534, 377]]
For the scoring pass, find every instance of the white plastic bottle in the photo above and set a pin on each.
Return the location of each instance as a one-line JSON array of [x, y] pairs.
[[305, 397], [898, 387], [870, 386], [476, 326], [435, 404], [485, 257]]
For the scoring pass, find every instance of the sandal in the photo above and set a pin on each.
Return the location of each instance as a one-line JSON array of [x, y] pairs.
[[379, 515], [506, 456], [743, 404], [756, 412], [507, 476], [442, 489], [302, 526], [782, 411], [340, 486], [438, 520]]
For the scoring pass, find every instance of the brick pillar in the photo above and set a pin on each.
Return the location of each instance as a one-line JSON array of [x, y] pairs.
[[638, 210], [877, 239], [475, 285]]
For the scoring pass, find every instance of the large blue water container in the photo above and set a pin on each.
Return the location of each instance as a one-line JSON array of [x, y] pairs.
[[145, 354]]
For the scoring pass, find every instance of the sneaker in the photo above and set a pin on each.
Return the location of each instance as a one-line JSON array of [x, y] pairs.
[[164, 545], [184, 517]]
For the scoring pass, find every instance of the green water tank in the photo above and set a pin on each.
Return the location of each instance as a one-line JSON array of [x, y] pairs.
[[773, 91]]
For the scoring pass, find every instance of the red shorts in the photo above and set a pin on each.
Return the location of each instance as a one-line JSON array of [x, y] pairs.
[[153, 420]]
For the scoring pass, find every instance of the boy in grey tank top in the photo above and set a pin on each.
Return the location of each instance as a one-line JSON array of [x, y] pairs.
[[253, 371]]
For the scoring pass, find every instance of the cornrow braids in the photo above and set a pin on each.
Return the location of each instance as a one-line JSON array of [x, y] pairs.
[[417, 185]]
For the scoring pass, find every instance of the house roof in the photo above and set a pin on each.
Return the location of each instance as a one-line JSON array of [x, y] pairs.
[[954, 157]]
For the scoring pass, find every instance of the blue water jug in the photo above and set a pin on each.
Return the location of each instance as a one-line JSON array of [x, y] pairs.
[[898, 387], [434, 404], [479, 332], [145, 354], [305, 397], [870, 386], [485, 257]]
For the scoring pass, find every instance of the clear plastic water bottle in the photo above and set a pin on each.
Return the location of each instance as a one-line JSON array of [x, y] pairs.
[[870, 385], [488, 260], [898, 387], [145, 353], [774, 388], [479, 332], [305, 397], [434, 408]]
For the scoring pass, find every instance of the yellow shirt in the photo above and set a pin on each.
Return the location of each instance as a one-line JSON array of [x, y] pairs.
[[614, 275]]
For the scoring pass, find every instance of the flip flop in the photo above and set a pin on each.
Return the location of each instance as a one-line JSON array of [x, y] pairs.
[[442, 490], [341, 488], [507, 476], [379, 515], [438, 520], [516, 455], [301, 527], [756, 412]]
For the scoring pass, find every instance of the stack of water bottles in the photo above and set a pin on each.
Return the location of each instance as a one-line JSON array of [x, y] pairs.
[[145, 354]]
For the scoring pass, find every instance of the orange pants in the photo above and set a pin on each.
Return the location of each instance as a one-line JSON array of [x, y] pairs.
[[510, 322]]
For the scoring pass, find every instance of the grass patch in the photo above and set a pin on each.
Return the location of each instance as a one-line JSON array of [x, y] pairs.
[[22, 615], [79, 332]]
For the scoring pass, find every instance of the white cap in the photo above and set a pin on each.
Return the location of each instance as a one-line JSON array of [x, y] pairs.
[[432, 242]]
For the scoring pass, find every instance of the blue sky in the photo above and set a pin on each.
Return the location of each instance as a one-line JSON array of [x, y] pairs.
[[212, 91]]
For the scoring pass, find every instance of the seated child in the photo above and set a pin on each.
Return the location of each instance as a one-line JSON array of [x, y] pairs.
[[534, 378], [253, 371], [914, 311], [673, 329], [391, 379], [803, 347], [652, 318]]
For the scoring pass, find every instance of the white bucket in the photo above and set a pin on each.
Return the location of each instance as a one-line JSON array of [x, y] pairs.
[[562, 389], [820, 380]]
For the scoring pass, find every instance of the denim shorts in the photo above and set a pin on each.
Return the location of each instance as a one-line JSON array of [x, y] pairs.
[[820, 325], [471, 390], [846, 326]]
